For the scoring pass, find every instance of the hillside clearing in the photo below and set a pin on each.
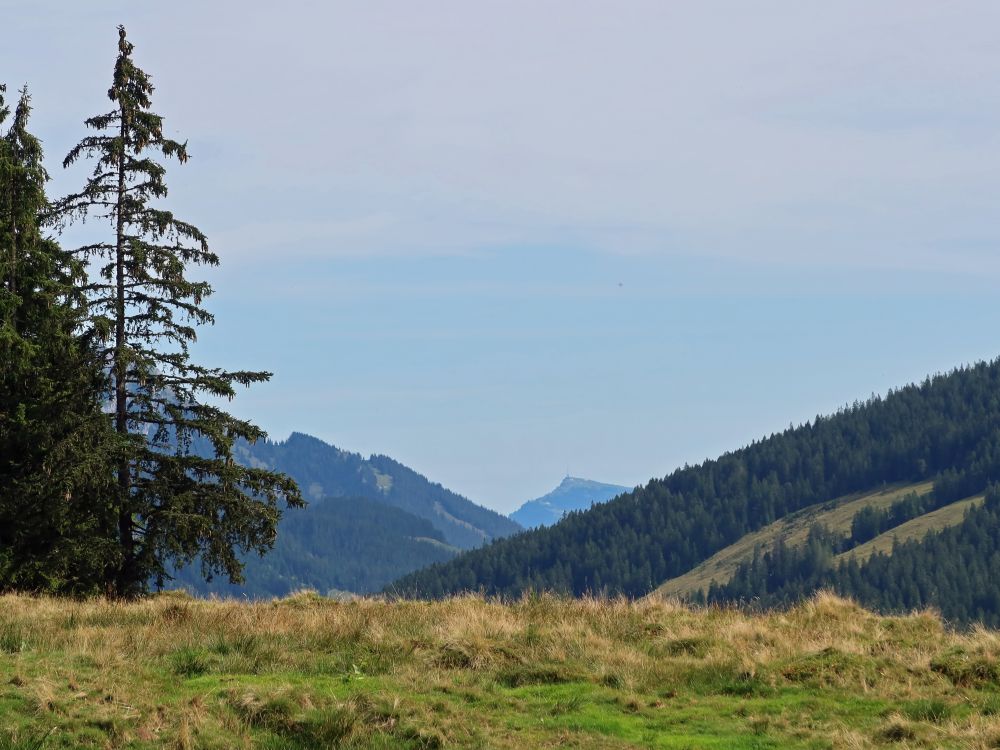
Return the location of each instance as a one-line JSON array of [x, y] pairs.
[[836, 515], [307, 672], [917, 528]]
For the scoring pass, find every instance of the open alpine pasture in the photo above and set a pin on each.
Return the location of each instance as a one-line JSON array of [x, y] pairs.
[[171, 671]]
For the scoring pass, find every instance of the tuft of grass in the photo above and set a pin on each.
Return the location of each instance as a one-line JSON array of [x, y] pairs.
[[830, 667], [967, 669], [537, 675], [896, 730], [13, 638], [189, 662], [276, 713], [24, 742], [931, 710], [989, 705], [570, 705], [727, 678], [691, 646]]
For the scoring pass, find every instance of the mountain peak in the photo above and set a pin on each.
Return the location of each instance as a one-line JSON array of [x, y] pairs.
[[571, 481], [573, 493], [301, 437]]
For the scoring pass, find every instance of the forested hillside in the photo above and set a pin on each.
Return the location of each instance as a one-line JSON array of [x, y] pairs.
[[350, 544], [954, 569], [946, 429], [844, 517], [368, 522], [323, 470]]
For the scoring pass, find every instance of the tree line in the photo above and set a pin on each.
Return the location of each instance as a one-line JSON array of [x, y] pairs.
[[100, 401], [946, 428]]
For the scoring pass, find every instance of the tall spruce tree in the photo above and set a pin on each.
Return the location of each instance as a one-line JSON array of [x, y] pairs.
[[56, 526], [172, 504]]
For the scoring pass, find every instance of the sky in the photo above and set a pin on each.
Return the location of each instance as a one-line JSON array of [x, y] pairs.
[[503, 242]]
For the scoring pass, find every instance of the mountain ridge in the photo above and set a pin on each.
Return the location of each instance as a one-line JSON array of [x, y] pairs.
[[368, 522], [324, 470]]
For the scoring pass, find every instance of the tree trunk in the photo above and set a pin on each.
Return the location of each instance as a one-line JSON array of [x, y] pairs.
[[124, 583]]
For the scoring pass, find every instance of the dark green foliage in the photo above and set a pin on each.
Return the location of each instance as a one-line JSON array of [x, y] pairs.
[[56, 528], [343, 544], [782, 576], [170, 503], [956, 570], [947, 427], [869, 522]]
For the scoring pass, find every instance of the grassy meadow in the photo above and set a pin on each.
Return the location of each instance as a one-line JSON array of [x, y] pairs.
[[543, 672]]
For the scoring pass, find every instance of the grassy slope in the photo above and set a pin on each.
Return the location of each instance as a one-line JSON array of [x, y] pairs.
[[543, 672], [949, 515], [794, 529]]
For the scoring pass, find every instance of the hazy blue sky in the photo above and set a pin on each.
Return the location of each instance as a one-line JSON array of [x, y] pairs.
[[503, 241]]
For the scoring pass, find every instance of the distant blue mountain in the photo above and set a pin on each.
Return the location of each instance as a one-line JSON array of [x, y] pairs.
[[323, 471], [368, 522], [571, 494]]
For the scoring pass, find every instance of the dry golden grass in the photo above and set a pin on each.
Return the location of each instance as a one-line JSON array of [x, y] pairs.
[[942, 518], [836, 515], [171, 671]]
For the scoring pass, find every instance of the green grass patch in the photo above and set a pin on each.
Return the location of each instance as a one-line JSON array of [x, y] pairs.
[[34, 741], [13, 639]]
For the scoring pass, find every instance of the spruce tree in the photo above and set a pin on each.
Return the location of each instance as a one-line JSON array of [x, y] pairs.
[[55, 522], [172, 503]]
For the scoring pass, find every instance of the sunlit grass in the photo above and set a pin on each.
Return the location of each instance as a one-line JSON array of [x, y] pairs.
[[305, 672]]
